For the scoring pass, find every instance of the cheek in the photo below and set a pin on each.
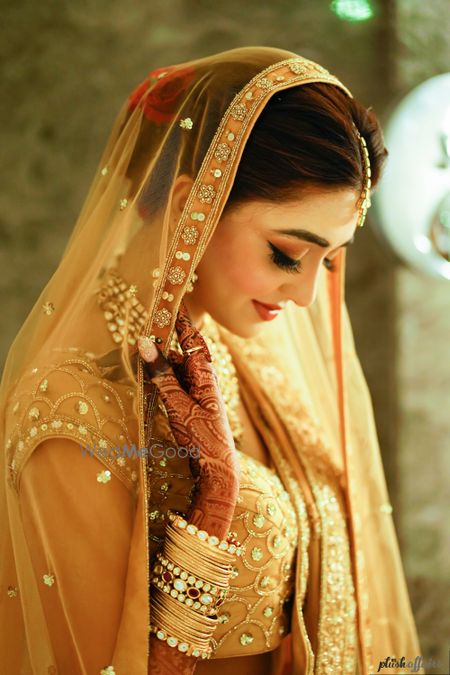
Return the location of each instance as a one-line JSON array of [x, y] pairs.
[[236, 267]]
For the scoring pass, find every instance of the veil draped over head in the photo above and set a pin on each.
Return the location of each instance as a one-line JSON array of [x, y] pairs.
[[69, 377]]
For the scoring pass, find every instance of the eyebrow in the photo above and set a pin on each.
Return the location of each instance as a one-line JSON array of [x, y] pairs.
[[306, 235]]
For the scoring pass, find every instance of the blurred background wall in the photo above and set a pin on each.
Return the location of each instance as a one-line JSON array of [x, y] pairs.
[[67, 68]]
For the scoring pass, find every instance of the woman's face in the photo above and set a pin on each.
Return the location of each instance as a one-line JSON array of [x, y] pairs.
[[269, 254]]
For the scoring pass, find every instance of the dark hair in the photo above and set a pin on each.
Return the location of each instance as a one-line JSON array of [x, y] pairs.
[[304, 140]]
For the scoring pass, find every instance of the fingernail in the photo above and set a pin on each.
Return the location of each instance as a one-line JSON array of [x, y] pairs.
[[147, 349]]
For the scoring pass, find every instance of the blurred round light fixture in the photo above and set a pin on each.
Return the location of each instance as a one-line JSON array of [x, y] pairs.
[[412, 202], [352, 10]]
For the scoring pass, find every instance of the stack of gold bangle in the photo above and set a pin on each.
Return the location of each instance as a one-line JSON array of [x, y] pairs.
[[180, 584], [184, 604]]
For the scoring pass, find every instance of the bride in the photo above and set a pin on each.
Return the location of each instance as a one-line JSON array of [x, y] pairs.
[[192, 480]]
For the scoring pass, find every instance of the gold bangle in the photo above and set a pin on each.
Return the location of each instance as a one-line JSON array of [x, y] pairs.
[[182, 585], [209, 557], [179, 621], [210, 570], [185, 573], [182, 646], [176, 521], [181, 624]]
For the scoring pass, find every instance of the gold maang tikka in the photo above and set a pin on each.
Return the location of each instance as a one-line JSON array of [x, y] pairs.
[[364, 201]]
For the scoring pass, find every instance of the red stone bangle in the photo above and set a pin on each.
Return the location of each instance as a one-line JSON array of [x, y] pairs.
[[200, 595]]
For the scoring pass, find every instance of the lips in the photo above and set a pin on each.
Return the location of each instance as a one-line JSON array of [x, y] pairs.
[[266, 304], [265, 311]]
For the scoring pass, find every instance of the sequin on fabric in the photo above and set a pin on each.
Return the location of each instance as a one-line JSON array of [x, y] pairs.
[[162, 317], [337, 636], [206, 194], [12, 591], [223, 152], [176, 275], [48, 579], [48, 308], [337, 628], [189, 235], [105, 425], [254, 609], [239, 112]]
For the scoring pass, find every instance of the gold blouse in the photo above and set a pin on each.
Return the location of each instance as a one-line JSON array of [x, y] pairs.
[[254, 616], [256, 613]]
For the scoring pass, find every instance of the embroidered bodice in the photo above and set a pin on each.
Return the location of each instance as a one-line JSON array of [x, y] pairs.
[[255, 614]]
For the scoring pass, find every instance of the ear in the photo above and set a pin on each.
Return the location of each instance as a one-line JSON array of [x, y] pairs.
[[180, 192]]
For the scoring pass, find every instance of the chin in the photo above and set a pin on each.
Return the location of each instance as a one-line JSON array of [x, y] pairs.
[[242, 329]]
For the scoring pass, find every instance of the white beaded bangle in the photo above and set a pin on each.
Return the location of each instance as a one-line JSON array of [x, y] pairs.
[[231, 547], [181, 645]]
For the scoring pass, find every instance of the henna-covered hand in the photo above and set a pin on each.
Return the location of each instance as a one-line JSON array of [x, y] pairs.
[[197, 415], [165, 660]]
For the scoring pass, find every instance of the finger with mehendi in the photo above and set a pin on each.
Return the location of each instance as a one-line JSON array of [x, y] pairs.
[[176, 400], [199, 370], [157, 364], [189, 336]]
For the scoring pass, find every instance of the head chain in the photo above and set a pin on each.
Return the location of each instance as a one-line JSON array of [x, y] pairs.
[[364, 201]]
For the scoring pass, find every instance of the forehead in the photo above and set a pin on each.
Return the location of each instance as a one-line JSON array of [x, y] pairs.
[[340, 204], [331, 214]]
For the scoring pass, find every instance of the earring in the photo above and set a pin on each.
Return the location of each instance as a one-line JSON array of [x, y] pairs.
[[190, 286]]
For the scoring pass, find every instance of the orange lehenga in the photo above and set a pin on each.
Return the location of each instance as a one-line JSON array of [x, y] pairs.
[[321, 584]]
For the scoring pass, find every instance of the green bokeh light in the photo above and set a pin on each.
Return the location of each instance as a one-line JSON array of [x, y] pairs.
[[353, 10]]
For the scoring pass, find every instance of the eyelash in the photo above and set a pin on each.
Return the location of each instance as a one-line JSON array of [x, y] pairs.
[[289, 264]]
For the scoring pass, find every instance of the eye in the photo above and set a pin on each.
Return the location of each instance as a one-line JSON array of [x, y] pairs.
[[284, 261], [329, 264], [288, 264]]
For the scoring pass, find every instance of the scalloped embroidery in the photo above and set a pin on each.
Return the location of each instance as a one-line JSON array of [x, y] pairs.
[[77, 402]]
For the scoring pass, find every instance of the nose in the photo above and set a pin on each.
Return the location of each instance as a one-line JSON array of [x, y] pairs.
[[303, 290]]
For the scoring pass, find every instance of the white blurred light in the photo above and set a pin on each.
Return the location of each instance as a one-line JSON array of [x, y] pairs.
[[412, 202]]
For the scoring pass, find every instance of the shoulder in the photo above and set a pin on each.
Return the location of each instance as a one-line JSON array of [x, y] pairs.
[[76, 396]]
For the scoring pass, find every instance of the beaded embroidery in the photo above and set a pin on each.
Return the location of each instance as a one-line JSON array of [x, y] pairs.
[[337, 646], [253, 617], [79, 403], [121, 309]]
